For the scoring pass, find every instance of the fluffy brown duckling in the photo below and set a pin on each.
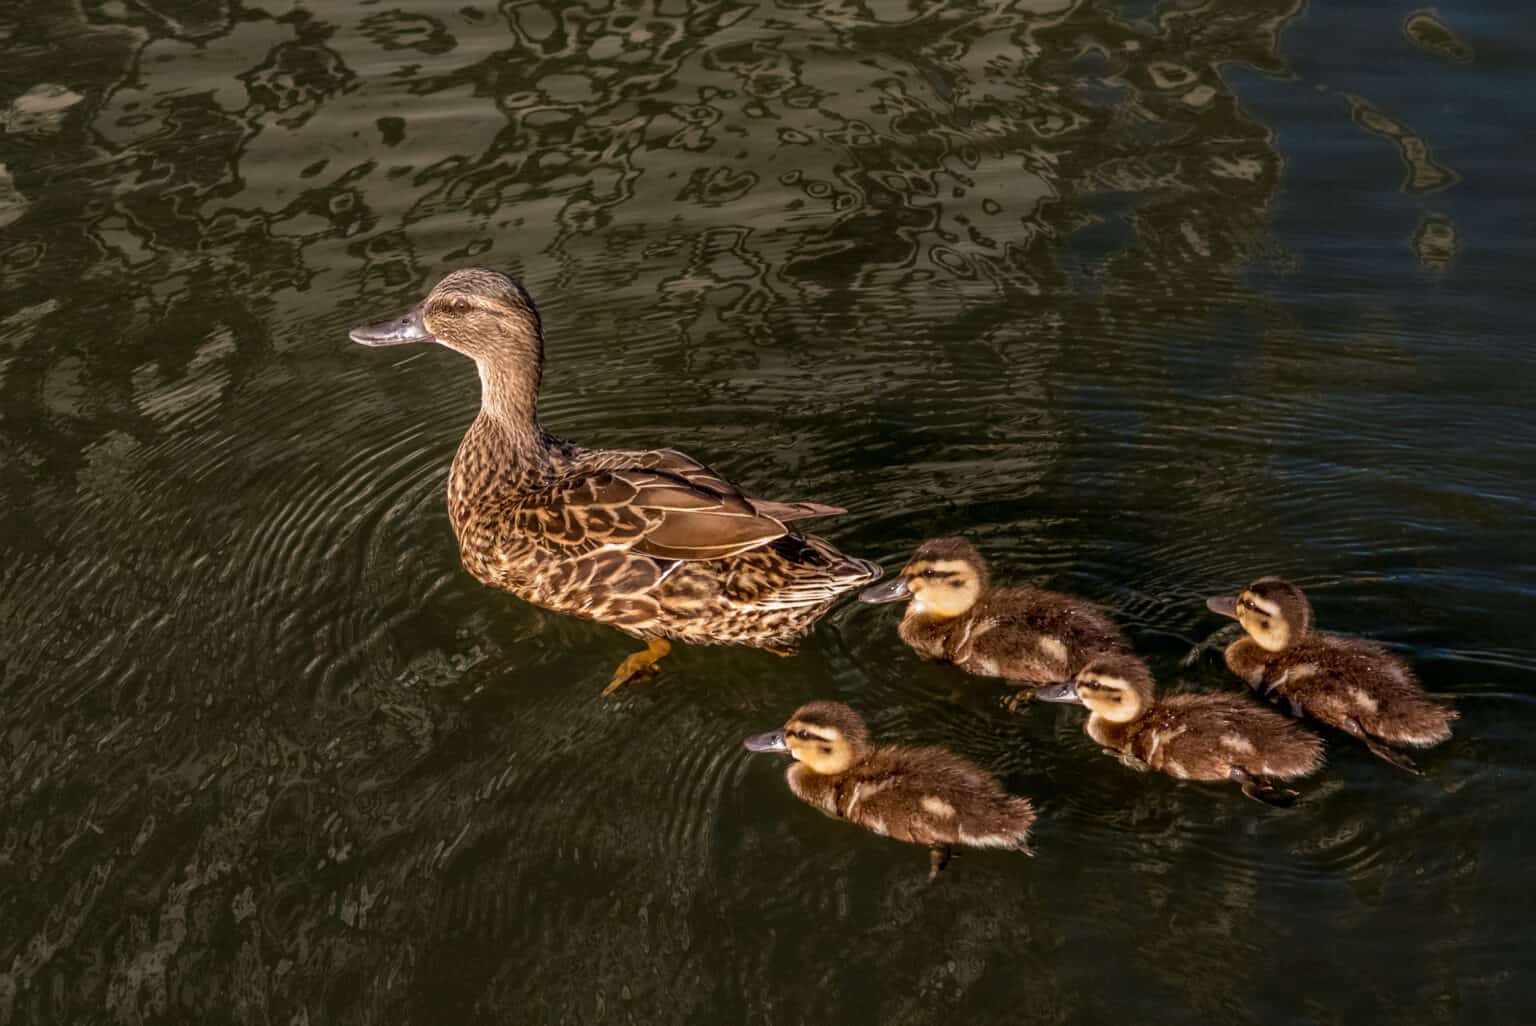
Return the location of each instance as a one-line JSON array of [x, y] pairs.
[[923, 796], [1189, 737], [1023, 634], [1354, 685]]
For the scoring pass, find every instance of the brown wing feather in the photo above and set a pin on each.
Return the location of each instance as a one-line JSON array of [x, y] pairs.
[[652, 512], [701, 476]]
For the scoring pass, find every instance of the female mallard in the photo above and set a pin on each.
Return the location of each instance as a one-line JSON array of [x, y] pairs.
[[1189, 737], [1354, 685], [653, 543], [1021, 634], [923, 796]]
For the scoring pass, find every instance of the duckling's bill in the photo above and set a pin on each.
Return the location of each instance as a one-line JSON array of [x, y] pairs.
[[773, 741], [893, 590], [1064, 692], [1223, 605], [399, 331]]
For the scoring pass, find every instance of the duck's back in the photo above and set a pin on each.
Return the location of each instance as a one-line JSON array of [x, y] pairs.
[[651, 542]]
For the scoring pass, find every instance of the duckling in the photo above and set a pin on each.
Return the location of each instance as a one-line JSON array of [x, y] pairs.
[[923, 796], [1189, 737], [654, 543], [1021, 634], [1354, 685]]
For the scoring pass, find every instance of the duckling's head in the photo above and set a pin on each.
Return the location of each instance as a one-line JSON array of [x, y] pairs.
[[483, 314], [943, 580], [827, 737], [1274, 612], [1117, 688]]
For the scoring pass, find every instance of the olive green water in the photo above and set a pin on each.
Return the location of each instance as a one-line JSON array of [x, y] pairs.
[[1148, 299]]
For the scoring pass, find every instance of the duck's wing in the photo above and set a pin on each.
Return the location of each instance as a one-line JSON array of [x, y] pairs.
[[691, 470], [648, 511]]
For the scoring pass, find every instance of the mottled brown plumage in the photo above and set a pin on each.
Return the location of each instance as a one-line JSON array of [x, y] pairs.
[[652, 542], [1354, 685], [925, 796], [1022, 634], [1189, 737]]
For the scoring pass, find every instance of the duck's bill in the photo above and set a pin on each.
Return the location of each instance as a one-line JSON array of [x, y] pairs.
[[1064, 692], [893, 590], [398, 332], [773, 741], [1226, 605]]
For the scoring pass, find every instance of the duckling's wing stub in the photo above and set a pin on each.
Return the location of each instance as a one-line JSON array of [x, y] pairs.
[[646, 511]]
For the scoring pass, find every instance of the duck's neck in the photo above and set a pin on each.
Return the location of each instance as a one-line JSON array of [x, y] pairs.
[[509, 396], [505, 449]]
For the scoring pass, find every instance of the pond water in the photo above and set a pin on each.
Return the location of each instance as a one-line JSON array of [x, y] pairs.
[[1148, 299]]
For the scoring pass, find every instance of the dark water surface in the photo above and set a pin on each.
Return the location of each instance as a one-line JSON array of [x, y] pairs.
[[1147, 298]]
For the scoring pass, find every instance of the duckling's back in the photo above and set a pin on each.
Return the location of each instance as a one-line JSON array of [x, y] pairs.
[[1203, 736], [1029, 634], [924, 796], [1344, 681]]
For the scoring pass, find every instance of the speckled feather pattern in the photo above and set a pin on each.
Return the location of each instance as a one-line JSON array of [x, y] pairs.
[[624, 538]]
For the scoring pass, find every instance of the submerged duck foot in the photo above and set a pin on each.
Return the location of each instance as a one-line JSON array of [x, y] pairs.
[[1262, 789], [638, 665], [1020, 698], [1397, 759], [938, 858]]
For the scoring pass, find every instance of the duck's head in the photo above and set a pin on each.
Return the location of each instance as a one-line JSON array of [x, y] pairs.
[[827, 737], [1274, 612], [1117, 688], [943, 580], [483, 314]]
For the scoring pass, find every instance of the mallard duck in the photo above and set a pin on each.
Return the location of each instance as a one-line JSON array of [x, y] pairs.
[[1022, 634], [920, 795], [654, 543], [1354, 685], [1189, 737]]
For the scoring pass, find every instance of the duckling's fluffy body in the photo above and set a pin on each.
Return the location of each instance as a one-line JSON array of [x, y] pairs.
[[1354, 685], [1188, 736], [652, 542], [925, 795], [920, 795], [1206, 737], [1022, 634]]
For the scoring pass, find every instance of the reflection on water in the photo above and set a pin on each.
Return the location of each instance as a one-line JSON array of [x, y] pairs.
[[1131, 293]]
